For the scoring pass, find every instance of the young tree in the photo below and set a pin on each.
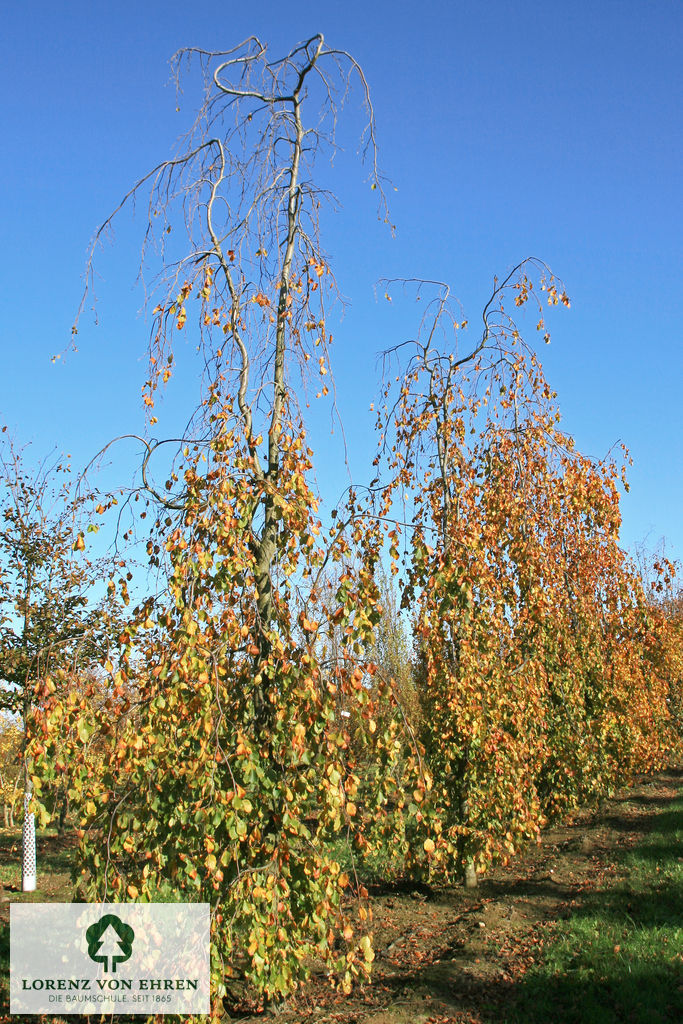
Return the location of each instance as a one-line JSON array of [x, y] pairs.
[[11, 740], [53, 626]]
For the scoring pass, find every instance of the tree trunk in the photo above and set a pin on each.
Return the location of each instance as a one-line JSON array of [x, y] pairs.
[[64, 810], [470, 877]]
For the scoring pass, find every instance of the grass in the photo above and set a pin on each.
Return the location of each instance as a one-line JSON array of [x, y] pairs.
[[55, 860], [54, 855], [10, 875], [620, 956]]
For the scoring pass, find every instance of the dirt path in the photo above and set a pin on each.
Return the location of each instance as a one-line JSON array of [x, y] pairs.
[[451, 956], [454, 957]]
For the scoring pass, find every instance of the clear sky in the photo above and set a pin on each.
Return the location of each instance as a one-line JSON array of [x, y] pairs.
[[508, 129]]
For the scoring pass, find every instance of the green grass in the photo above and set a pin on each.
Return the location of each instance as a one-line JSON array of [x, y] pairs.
[[620, 956], [10, 874], [55, 860]]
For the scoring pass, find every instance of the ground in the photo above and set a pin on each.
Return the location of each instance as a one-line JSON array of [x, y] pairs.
[[587, 927]]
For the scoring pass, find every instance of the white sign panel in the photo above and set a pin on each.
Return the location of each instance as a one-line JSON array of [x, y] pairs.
[[95, 958]]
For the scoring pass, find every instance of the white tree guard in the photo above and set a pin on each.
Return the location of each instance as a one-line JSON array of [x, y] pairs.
[[28, 866]]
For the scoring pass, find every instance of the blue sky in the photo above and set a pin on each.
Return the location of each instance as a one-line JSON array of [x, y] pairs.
[[508, 130]]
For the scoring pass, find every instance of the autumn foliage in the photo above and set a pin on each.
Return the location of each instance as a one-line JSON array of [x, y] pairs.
[[541, 662], [258, 732]]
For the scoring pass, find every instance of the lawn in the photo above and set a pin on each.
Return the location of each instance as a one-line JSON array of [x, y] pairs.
[[619, 957]]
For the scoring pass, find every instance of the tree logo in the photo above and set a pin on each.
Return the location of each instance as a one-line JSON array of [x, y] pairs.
[[110, 941]]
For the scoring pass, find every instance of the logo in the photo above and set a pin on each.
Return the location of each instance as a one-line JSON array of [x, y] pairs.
[[110, 942], [108, 958]]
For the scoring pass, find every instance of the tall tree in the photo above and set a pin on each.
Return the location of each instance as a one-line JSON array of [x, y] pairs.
[[229, 777], [536, 650]]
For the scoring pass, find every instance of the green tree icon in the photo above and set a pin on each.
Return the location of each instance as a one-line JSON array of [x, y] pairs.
[[110, 941]]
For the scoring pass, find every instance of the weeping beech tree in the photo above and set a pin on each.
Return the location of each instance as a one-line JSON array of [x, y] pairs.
[[535, 642], [229, 774], [243, 187]]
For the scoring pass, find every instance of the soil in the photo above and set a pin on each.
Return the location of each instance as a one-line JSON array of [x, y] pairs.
[[454, 956], [450, 955]]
